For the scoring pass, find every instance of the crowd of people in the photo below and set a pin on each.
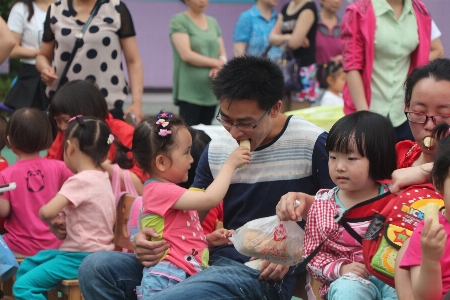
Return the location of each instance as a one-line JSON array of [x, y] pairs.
[[382, 63]]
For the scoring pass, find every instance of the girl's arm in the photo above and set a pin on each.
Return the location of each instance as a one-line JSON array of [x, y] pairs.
[[402, 276], [5, 207], [21, 52], [43, 62], [211, 197], [182, 45], [427, 277], [276, 37], [135, 75], [50, 210]]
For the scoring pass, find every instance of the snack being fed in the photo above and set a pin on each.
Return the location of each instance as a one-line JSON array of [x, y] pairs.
[[244, 143], [432, 211], [428, 141]]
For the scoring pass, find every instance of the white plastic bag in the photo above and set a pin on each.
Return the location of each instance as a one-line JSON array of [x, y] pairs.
[[279, 242]]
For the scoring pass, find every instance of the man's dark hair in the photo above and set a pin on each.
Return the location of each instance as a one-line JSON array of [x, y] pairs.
[[250, 78]]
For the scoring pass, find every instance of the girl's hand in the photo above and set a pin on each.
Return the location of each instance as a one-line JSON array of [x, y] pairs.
[[287, 210], [219, 237], [239, 157], [58, 227], [432, 240], [355, 268], [48, 76]]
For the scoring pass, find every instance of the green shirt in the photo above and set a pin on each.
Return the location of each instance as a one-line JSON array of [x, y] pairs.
[[190, 83], [395, 40]]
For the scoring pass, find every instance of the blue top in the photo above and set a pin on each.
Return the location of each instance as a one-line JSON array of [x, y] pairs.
[[295, 161], [252, 28]]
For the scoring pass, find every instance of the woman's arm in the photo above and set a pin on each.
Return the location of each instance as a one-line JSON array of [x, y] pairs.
[[52, 209], [135, 75], [239, 49], [183, 47], [276, 37], [304, 23], [22, 52], [356, 88], [5, 207], [436, 49], [7, 41], [43, 63]]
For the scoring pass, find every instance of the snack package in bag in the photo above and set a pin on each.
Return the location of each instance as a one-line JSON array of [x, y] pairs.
[[8, 263], [279, 242]]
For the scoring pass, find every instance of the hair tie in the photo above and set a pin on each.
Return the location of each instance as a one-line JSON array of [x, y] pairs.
[[164, 132], [164, 115], [74, 118], [110, 139], [162, 122]]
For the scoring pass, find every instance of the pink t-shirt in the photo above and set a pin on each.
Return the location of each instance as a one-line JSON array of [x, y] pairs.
[[413, 254], [38, 180], [180, 228], [91, 214]]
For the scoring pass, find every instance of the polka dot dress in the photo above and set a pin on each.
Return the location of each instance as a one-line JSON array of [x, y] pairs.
[[99, 58]]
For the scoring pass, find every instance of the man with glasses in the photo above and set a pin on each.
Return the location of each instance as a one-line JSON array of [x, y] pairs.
[[288, 154]]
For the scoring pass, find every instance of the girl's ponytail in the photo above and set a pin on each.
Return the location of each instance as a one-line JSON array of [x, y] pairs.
[[122, 159]]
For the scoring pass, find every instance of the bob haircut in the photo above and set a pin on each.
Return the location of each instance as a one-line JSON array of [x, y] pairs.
[[79, 97], [439, 69], [250, 78], [374, 137], [441, 165], [29, 130]]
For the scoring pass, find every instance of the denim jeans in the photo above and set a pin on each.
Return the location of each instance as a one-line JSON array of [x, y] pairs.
[[114, 275], [161, 276]]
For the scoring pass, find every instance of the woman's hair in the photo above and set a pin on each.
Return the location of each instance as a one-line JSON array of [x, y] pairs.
[[29, 130], [199, 141], [441, 164], [29, 4], [330, 69], [439, 69], [3, 124], [92, 135], [374, 137], [79, 97], [149, 140]]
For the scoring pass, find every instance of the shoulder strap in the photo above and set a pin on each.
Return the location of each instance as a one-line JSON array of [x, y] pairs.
[[79, 40], [266, 51]]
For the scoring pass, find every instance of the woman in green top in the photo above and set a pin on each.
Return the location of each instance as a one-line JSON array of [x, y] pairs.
[[198, 53]]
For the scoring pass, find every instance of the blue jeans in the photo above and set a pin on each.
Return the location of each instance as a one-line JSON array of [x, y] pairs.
[[114, 275], [161, 276]]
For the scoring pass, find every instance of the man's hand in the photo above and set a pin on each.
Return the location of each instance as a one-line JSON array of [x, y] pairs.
[[271, 271], [58, 227], [149, 253]]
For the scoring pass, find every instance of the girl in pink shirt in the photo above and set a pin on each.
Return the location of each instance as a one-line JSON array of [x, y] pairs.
[[162, 147], [87, 201], [428, 253], [38, 180]]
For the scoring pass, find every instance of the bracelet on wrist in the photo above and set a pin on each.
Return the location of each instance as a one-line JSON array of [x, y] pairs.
[[223, 58]]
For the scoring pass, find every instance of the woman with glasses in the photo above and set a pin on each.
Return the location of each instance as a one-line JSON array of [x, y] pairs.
[[427, 103], [383, 41]]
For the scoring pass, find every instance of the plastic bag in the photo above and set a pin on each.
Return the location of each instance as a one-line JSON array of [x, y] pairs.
[[8, 263], [279, 242]]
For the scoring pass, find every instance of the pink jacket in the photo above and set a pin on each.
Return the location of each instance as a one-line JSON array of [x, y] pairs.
[[358, 36]]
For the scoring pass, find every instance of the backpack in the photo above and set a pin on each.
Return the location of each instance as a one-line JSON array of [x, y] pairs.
[[393, 220]]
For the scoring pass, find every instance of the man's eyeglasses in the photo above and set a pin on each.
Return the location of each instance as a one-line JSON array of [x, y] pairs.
[[421, 118], [243, 127]]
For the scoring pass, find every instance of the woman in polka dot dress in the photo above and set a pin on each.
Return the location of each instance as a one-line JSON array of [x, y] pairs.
[[100, 57], [162, 147]]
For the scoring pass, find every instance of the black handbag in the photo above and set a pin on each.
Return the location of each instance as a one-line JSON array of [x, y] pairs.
[[291, 71]]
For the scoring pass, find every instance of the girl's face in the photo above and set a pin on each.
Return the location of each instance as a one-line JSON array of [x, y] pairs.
[[350, 172], [432, 98], [181, 157], [336, 83], [61, 121]]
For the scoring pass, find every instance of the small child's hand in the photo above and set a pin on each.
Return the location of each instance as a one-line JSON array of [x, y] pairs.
[[432, 240], [219, 237], [239, 157], [355, 268]]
